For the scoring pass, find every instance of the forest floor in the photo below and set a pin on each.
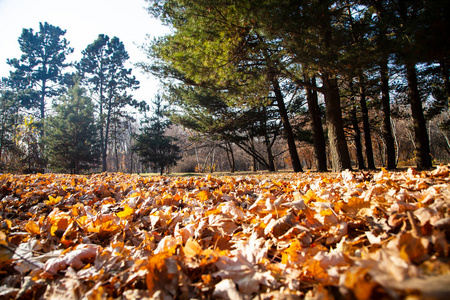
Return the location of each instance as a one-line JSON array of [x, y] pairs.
[[347, 235]]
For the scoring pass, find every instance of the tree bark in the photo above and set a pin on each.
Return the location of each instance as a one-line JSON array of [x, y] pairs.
[[296, 165], [423, 156], [106, 138], [268, 143], [230, 156], [384, 49], [316, 123], [445, 77], [270, 157], [340, 158], [386, 109], [357, 139], [366, 124]]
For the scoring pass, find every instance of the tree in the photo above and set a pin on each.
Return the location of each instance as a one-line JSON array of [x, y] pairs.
[[72, 140], [316, 124], [239, 45], [420, 34], [103, 69], [215, 46], [9, 106], [156, 149], [27, 141], [42, 62], [209, 113]]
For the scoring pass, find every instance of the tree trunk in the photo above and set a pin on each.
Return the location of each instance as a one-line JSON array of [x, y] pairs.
[[357, 139], [422, 145], [366, 124], [253, 150], [296, 165], [2, 142], [268, 143], [316, 123], [270, 157], [106, 138], [385, 51], [386, 108], [116, 150], [340, 158], [230, 156], [445, 77], [102, 133]]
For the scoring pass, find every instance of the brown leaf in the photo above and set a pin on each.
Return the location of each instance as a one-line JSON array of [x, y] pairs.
[[73, 258]]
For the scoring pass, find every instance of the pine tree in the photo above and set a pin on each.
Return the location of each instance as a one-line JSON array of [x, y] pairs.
[[103, 69], [42, 62], [9, 105], [154, 147], [72, 140]]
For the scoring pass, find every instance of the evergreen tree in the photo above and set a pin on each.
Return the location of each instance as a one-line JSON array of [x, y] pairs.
[[103, 69], [218, 46], [9, 106], [154, 147], [41, 64], [72, 140]]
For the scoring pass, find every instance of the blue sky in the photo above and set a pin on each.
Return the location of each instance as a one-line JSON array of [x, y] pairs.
[[84, 20]]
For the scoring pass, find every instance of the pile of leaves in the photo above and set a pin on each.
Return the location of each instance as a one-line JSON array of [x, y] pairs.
[[271, 236]]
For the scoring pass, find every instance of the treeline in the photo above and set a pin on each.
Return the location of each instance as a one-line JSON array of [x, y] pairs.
[[68, 117], [359, 83], [249, 85]]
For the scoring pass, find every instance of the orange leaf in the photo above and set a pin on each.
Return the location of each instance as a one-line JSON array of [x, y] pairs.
[[32, 227], [314, 269], [192, 248], [61, 224], [162, 269], [291, 254]]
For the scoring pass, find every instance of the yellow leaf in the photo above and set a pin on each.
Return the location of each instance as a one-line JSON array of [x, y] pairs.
[[127, 211], [52, 200], [291, 253], [32, 227], [310, 196], [326, 212], [203, 195]]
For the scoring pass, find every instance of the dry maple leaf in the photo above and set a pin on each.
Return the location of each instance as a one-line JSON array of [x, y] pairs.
[[244, 274], [196, 257], [162, 274], [226, 289], [73, 258]]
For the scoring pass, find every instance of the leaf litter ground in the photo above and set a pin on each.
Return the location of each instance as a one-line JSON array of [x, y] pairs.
[[348, 235]]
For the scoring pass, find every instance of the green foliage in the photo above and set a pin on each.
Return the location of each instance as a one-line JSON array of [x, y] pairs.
[[72, 140], [103, 70], [9, 152], [153, 146], [41, 64]]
